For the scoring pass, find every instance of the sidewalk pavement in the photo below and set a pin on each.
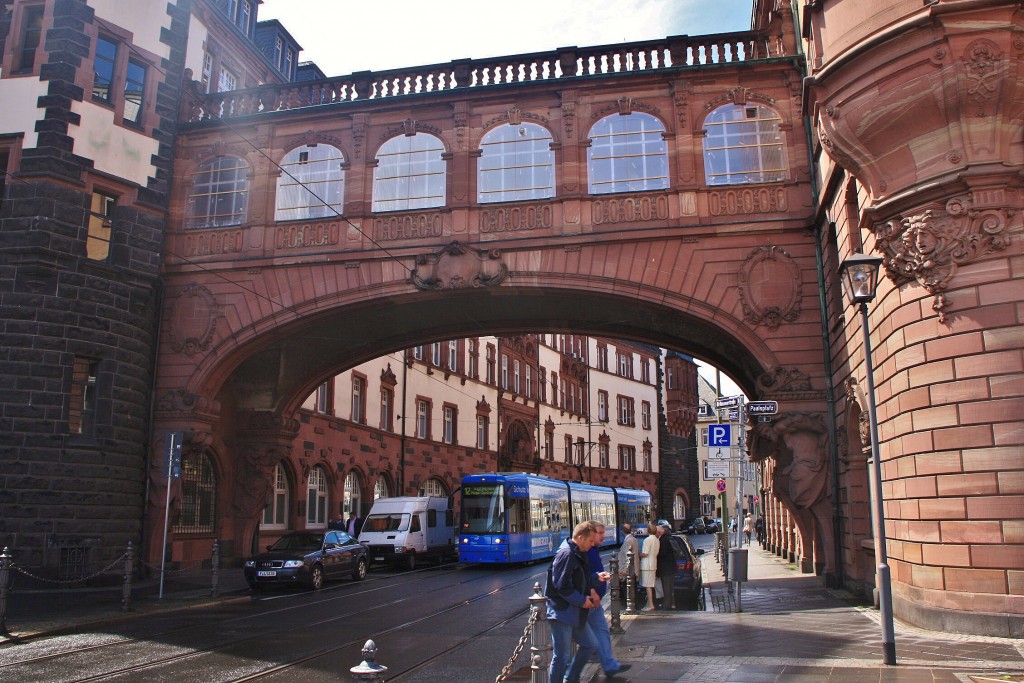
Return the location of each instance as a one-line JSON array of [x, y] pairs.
[[792, 629]]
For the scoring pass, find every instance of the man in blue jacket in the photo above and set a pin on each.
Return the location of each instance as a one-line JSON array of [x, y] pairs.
[[595, 616], [570, 596]]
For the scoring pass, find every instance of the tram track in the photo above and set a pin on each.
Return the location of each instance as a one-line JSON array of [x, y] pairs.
[[152, 665]]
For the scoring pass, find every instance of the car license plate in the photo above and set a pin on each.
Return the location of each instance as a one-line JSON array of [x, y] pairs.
[[266, 573], [378, 558]]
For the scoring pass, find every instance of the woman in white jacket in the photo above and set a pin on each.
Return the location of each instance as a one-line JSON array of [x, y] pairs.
[[649, 565]]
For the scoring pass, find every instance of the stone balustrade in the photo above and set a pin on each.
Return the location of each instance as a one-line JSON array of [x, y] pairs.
[[564, 63]]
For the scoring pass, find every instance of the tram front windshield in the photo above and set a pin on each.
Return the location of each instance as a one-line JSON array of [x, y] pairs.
[[483, 509]]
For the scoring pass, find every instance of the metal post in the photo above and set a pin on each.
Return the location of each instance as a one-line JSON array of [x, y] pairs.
[[882, 579], [126, 589], [5, 584], [369, 669], [540, 638], [616, 621], [630, 583], [214, 570]]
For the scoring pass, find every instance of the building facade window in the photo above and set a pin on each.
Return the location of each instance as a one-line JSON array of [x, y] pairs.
[[410, 174], [311, 184], [417, 352], [227, 80], [490, 364], [549, 445], [82, 400], [626, 410], [352, 496], [625, 361], [29, 38], [422, 419], [627, 154], [602, 455], [627, 458], [482, 430], [529, 381], [324, 401], [645, 370], [101, 217], [435, 354], [381, 488], [516, 381], [670, 378], [358, 399], [602, 406], [316, 499], [568, 448], [434, 487], [645, 414], [113, 71], [275, 513], [504, 371], [449, 416], [103, 63], [453, 355], [542, 385], [474, 359], [387, 409], [516, 164], [195, 513], [219, 194], [134, 91], [648, 457], [602, 357], [743, 144]]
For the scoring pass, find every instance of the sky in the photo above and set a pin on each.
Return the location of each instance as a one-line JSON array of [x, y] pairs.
[[343, 36]]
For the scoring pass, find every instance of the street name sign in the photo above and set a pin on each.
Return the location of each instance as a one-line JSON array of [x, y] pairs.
[[762, 407], [727, 401]]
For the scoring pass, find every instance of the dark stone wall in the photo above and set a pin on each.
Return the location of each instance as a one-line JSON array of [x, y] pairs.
[[69, 502]]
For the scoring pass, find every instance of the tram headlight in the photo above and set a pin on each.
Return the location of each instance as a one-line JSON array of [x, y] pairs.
[[499, 541]]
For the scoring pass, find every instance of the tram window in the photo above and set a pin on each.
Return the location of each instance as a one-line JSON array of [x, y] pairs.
[[483, 508], [518, 514]]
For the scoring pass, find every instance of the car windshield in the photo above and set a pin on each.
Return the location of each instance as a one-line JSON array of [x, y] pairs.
[[393, 522], [305, 542]]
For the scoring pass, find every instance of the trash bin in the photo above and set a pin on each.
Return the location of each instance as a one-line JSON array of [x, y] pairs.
[[737, 570]]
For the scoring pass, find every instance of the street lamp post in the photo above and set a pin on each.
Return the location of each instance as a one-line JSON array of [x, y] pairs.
[[859, 273]]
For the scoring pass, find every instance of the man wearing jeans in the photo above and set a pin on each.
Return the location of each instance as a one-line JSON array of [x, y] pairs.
[[595, 615], [570, 597]]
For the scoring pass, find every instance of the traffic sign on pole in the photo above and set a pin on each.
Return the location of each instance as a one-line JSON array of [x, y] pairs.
[[762, 407], [719, 435], [727, 401], [720, 485]]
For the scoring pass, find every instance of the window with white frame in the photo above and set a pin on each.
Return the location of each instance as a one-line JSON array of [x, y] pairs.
[[626, 410], [670, 378], [417, 352], [219, 193], [504, 371], [410, 173], [516, 386], [387, 410], [449, 416], [422, 419], [381, 489], [648, 457], [352, 496], [435, 354], [645, 414], [627, 458], [311, 183], [602, 454], [434, 487], [743, 144], [481, 431], [227, 81], [490, 364], [627, 154], [568, 448], [529, 381], [324, 402], [358, 399], [275, 513], [474, 358], [542, 385], [549, 445], [453, 355], [625, 364], [602, 406], [316, 498], [645, 370], [516, 164]]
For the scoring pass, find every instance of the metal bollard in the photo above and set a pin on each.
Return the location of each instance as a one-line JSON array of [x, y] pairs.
[[540, 638], [369, 669], [616, 623], [214, 570], [5, 584], [126, 589], [630, 583]]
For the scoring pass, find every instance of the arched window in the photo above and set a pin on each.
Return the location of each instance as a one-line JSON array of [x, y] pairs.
[[381, 489], [410, 174], [195, 514], [627, 153], [678, 507], [743, 145], [353, 494], [316, 499], [220, 193], [516, 164], [311, 184], [275, 514], [434, 487]]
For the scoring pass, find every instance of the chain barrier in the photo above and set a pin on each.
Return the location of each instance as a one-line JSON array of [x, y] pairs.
[[67, 582], [507, 669]]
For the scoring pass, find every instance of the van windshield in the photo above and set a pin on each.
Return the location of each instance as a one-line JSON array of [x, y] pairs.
[[395, 522]]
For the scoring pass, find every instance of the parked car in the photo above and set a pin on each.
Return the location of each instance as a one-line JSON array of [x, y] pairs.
[[713, 525], [688, 584], [307, 558], [697, 526]]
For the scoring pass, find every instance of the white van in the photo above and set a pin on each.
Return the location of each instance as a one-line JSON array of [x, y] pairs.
[[409, 529]]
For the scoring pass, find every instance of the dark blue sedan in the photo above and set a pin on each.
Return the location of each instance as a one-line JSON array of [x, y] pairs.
[[688, 584], [307, 558]]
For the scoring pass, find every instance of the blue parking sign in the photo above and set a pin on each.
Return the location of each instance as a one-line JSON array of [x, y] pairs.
[[719, 435]]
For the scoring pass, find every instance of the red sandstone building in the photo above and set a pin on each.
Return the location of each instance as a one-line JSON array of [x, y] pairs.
[[695, 193]]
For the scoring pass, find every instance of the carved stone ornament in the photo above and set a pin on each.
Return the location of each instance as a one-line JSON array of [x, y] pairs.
[[983, 61], [193, 320], [930, 246], [770, 288], [181, 402], [458, 266], [782, 380]]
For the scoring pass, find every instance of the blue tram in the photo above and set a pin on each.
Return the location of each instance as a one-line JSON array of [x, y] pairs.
[[520, 517]]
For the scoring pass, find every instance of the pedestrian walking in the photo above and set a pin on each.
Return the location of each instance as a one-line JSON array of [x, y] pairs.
[[354, 525], [595, 615], [649, 565], [629, 543], [759, 529], [748, 526], [666, 567], [569, 596]]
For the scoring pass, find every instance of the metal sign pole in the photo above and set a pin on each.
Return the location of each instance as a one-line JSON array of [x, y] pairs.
[[173, 437]]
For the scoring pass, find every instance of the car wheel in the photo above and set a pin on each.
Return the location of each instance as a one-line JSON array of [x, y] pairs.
[[360, 573], [316, 577], [410, 561]]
